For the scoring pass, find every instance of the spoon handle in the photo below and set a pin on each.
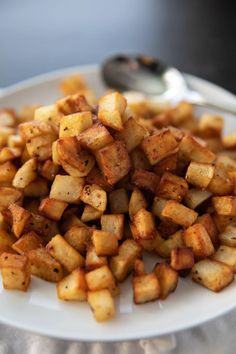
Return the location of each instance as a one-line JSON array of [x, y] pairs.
[[198, 100]]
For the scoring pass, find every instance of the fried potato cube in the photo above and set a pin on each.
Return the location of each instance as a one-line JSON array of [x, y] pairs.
[[20, 217], [221, 184], [200, 174], [228, 236], [74, 124], [70, 221], [95, 177], [207, 221], [96, 137], [159, 146], [52, 208], [114, 161], [7, 117], [111, 107], [37, 189], [72, 84], [73, 287], [101, 278], [164, 247], [48, 114], [178, 213], [172, 187], [139, 160], [75, 161], [210, 126], [44, 266], [225, 205], [169, 164], [6, 241], [182, 258], [145, 180], [226, 162], [15, 141], [95, 196], [34, 128], [105, 243], [15, 271], [119, 201], [226, 255], [195, 197], [168, 279], [181, 113], [122, 264], [143, 226], [229, 141], [9, 196], [67, 189], [41, 146], [27, 242], [73, 104], [7, 153], [197, 237], [49, 170], [212, 275], [90, 213], [146, 288], [102, 305], [64, 253], [157, 207], [132, 134], [5, 133], [7, 172], [93, 261], [137, 201], [114, 224], [79, 237], [191, 150], [25, 174]]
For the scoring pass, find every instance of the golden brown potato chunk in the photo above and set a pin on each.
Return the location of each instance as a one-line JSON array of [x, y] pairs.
[[105, 243], [111, 107], [199, 174], [114, 161], [20, 217], [113, 223], [102, 305], [159, 146], [198, 239], [178, 213], [52, 208], [225, 205], [172, 187], [44, 266], [182, 258], [27, 242], [168, 279], [96, 137], [73, 287], [145, 180], [15, 271], [64, 253], [143, 226], [212, 274]]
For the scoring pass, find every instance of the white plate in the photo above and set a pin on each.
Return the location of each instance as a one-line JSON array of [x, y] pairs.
[[39, 310]]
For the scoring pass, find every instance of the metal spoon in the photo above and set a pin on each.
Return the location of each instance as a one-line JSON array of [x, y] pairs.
[[155, 79]]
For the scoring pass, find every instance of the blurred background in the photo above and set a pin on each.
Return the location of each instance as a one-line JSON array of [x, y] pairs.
[[197, 36]]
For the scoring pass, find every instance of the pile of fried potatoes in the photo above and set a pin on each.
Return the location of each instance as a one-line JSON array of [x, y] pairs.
[[87, 186]]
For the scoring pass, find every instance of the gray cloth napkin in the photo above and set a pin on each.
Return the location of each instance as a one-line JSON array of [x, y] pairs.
[[216, 337]]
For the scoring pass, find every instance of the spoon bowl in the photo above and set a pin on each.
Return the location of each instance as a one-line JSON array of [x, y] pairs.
[[155, 79]]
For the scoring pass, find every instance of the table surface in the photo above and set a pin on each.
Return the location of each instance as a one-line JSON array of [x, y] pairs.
[[198, 37]]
